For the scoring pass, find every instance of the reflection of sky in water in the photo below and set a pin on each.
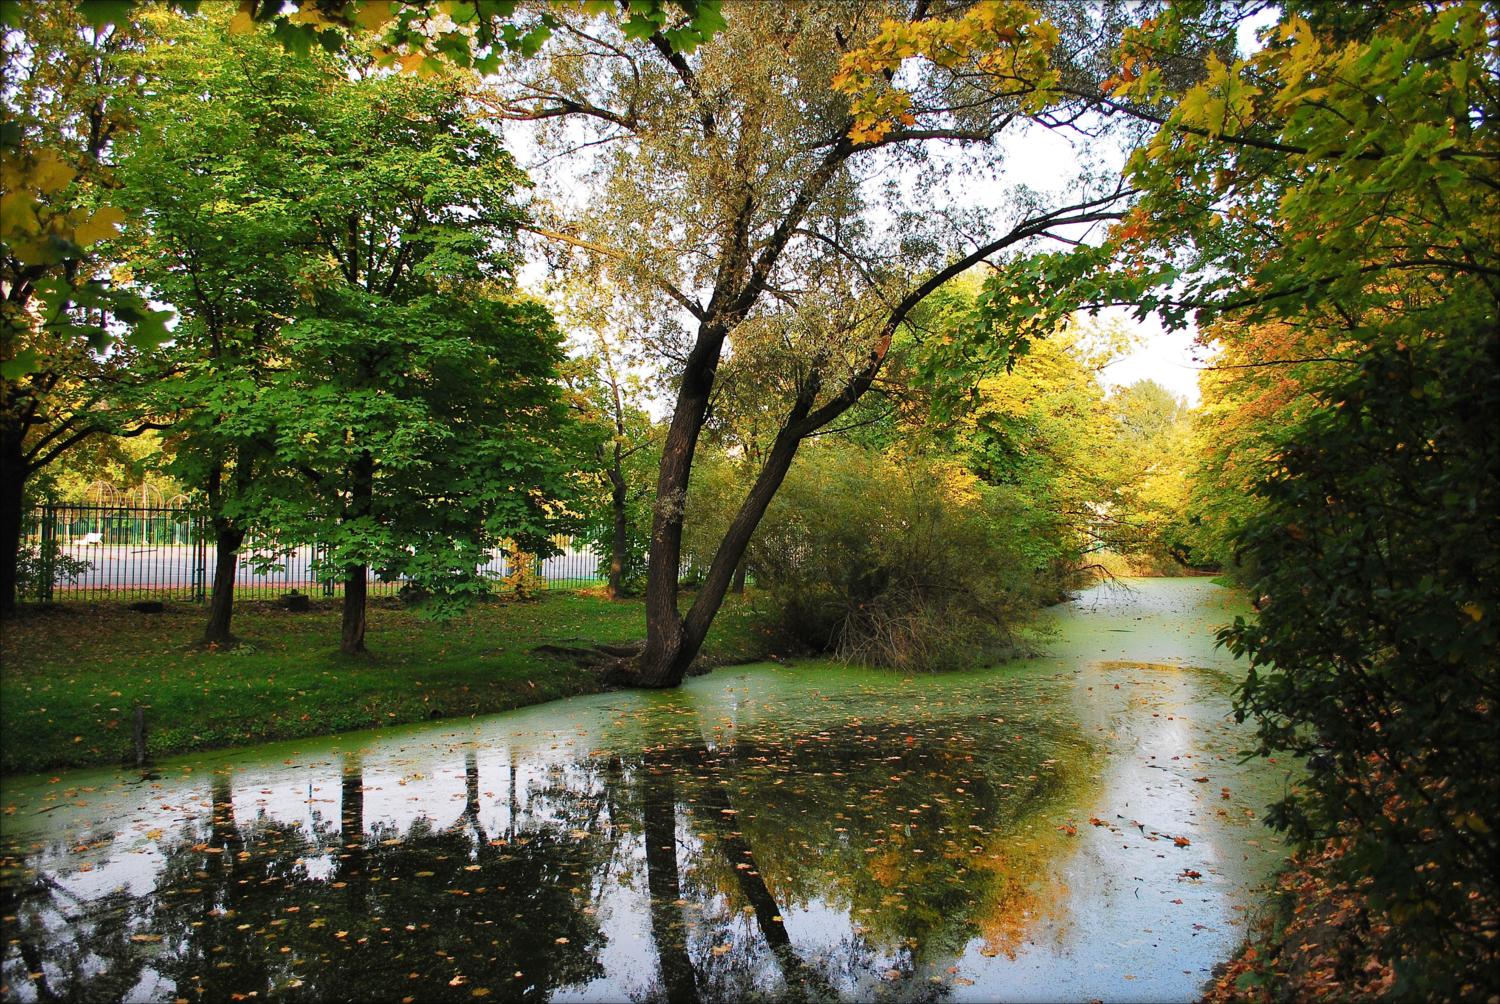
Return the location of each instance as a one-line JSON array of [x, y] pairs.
[[806, 831]]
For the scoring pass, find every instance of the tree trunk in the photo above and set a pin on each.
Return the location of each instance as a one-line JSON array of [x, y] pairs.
[[657, 665], [693, 629], [12, 516], [737, 587], [227, 541], [617, 550], [355, 590]]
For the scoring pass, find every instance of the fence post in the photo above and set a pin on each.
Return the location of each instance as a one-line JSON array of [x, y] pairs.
[[200, 557], [320, 552], [46, 562]]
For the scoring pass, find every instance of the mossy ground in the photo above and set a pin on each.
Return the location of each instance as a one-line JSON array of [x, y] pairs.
[[73, 673]]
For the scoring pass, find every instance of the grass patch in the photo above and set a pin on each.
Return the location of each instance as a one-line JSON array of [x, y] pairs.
[[73, 673]]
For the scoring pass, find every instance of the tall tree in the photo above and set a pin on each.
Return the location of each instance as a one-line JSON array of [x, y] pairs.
[[427, 431], [66, 99], [733, 186], [609, 390], [416, 390], [222, 243]]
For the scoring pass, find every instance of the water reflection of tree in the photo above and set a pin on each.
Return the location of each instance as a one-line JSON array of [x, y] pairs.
[[952, 868], [241, 911], [354, 910], [98, 961]]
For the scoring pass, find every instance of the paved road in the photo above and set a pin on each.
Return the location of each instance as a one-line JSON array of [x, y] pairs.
[[128, 568]]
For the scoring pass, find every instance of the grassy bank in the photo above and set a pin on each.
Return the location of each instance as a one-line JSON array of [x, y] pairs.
[[73, 673]]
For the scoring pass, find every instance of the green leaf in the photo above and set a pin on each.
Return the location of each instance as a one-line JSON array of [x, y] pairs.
[[99, 13], [24, 362]]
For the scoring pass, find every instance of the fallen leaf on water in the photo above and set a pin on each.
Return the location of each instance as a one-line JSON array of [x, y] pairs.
[[456, 980], [145, 937], [423, 874], [562, 941], [337, 885], [1201, 780], [480, 991], [721, 949], [1181, 841], [891, 974], [471, 868], [1177, 901], [963, 982], [1097, 821]]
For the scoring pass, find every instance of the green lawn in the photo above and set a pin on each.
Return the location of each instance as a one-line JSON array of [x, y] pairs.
[[73, 673]]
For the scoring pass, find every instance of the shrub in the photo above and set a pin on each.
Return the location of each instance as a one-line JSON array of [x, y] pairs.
[[1375, 649], [903, 562], [39, 569]]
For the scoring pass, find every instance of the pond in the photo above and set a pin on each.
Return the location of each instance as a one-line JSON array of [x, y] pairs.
[[1070, 827]]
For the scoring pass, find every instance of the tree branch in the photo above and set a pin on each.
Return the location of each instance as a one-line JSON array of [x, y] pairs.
[[688, 304]]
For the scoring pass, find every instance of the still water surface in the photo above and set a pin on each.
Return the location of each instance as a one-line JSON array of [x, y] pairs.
[[1067, 828]]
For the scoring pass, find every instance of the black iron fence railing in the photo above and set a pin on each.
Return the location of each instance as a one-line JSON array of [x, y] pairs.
[[133, 553]]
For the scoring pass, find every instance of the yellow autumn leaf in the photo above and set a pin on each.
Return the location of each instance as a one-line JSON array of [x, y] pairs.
[[50, 173], [242, 22], [104, 223], [18, 214], [1474, 610], [374, 14]]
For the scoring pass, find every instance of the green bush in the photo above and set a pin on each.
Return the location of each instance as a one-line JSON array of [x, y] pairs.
[[1375, 649], [903, 562], [41, 568]]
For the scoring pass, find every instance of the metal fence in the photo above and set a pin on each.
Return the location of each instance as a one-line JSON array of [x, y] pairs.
[[134, 553]]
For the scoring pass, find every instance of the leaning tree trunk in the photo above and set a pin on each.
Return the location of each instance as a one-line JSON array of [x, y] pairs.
[[12, 516], [617, 549], [658, 663], [227, 541], [692, 630]]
